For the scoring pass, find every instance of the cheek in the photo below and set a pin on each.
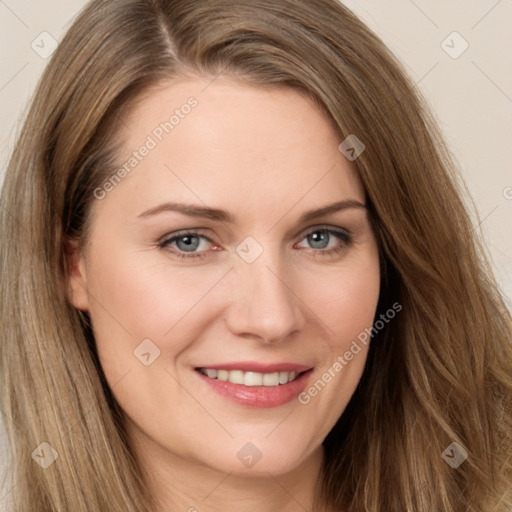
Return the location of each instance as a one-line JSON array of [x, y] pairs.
[[355, 304], [345, 299], [136, 298], [345, 303]]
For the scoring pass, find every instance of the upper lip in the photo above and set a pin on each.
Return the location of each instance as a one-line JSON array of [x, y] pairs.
[[253, 366]]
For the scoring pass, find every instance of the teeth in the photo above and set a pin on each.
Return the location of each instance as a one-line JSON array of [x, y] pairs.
[[250, 378], [236, 377], [271, 379], [222, 375], [253, 379]]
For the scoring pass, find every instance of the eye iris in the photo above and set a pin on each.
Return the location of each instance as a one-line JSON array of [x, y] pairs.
[[319, 237], [191, 243]]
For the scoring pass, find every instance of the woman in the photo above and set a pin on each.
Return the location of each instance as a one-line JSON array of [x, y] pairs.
[[242, 272]]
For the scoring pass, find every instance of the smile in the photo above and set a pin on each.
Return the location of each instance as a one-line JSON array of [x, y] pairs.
[[250, 378], [256, 385]]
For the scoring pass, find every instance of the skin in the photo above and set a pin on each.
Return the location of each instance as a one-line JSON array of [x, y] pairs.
[[266, 156]]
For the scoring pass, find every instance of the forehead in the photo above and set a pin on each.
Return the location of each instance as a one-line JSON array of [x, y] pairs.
[[198, 139]]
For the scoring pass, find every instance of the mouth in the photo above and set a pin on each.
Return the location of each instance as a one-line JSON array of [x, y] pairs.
[[256, 385]]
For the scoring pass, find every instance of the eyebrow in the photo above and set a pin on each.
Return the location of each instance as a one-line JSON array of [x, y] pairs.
[[216, 214]]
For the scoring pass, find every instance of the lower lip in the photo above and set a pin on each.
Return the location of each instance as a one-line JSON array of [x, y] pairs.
[[258, 396]]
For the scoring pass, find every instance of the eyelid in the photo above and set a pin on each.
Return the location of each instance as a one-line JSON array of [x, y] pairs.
[[182, 232], [326, 227]]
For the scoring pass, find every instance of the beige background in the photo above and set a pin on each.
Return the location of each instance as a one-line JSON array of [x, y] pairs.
[[471, 95]]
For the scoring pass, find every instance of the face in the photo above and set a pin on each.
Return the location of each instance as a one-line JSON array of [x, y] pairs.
[[224, 325]]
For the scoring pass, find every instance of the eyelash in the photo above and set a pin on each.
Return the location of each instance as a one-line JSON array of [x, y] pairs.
[[344, 236]]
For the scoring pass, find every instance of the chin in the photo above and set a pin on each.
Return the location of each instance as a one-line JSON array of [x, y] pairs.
[[258, 459]]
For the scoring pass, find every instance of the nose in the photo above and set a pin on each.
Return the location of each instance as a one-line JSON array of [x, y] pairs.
[[264, 305]]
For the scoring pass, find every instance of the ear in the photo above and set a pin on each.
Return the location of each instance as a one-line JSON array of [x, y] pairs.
[[75, 280]]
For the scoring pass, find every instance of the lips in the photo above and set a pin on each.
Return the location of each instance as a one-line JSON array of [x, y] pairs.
[[250, 366], [256, 384]]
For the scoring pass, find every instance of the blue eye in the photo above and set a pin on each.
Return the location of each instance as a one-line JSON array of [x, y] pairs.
[[321, 238], [188, 244]]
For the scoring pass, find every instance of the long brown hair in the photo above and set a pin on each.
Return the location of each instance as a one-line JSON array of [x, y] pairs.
[[439, 373]]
